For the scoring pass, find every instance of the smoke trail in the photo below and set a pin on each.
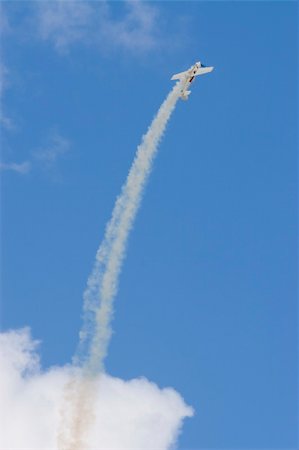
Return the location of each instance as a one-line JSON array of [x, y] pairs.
[[102, 285]]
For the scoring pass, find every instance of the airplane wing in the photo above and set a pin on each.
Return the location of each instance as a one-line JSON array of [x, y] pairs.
[[201, 70], [178, 76]]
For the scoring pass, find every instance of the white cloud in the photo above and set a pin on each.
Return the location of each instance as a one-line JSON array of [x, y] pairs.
[[4, 24], [137, 30], [56, 147], [45, 157], [5, 121], [3, 78], [22, 168], [65, 23], [133, 414]]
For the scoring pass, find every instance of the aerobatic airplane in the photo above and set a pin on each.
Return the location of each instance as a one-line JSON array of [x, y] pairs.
[[188, 76]]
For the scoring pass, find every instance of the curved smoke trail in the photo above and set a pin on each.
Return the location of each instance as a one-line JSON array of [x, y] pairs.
[[102, 286], [103, 281]]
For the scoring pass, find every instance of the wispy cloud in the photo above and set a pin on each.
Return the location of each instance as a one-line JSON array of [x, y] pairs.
[[4, 23], [66, 23], [3, 78], [46, 157], [56, 147], [5, 121], [137, 30], [22, 168]]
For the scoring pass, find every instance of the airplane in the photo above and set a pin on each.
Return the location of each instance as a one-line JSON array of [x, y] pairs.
[[188, 76]]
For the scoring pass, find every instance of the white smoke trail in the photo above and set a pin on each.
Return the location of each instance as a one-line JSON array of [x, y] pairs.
[[102, 287], [103, 281]]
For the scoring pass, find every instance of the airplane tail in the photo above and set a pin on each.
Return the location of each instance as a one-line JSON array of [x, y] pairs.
[[185, 95]]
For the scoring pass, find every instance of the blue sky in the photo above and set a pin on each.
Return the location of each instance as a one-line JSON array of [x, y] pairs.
[[207, 298]]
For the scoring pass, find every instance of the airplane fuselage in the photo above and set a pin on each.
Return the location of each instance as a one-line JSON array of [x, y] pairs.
[[188, 76]]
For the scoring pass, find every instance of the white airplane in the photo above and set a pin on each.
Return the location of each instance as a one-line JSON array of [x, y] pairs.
[[188, 76]]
